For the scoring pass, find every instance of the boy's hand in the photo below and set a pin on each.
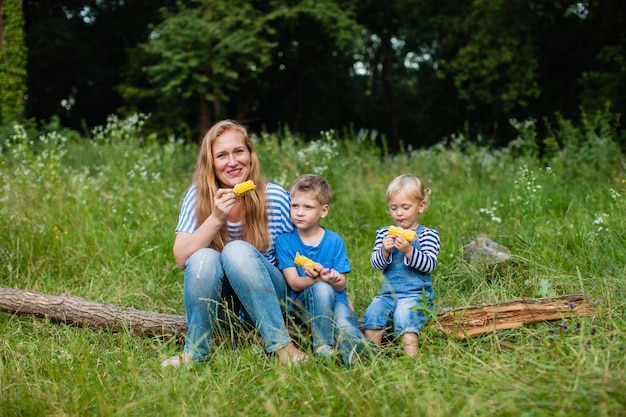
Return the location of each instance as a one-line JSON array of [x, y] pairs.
[[314, 272], [330, 276]]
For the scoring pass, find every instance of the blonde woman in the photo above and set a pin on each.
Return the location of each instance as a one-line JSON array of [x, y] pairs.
[[225, 244]]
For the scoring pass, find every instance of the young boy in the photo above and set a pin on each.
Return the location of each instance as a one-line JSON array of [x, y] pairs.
[[319, 292]]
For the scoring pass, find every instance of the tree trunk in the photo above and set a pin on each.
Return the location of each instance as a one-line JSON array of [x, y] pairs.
[[205, 116], [460, 322]]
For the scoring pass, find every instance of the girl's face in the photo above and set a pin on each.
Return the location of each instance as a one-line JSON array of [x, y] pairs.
[[405, 210], [231, 159], [306, 211]]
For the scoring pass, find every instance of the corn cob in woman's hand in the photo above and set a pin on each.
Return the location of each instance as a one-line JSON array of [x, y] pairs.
[[409, 235], [304, 262], [244, 187]]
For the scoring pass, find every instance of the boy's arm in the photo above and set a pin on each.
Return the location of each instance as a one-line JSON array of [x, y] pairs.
[[296, 282]]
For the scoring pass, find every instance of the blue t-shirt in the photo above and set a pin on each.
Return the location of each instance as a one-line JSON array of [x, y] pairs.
[[277, 210], [331, 253]]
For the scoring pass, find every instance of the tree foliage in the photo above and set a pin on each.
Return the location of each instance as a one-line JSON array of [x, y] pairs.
[[212, 55], [416, 71], [12, 61]]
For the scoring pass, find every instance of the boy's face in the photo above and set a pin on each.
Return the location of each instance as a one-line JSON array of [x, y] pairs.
[[306, 211]]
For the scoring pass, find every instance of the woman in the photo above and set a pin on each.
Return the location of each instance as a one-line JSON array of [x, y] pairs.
[[225, 244]]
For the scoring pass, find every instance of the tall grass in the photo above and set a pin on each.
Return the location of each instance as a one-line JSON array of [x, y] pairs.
[[94, 218]]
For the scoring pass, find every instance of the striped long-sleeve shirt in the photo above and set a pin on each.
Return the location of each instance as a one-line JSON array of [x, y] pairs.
[[277, 210], [423, 259]]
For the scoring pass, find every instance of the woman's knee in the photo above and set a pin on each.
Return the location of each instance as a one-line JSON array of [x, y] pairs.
[[244, 265], [237, 251], [204, 268]]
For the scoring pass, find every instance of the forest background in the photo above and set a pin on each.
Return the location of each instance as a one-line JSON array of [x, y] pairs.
[[414, 71]]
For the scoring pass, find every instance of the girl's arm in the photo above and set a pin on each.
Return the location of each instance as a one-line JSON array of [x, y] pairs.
[[380, 257], [425, 259]]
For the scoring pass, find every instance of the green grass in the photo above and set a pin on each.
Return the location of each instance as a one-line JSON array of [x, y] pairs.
[[95, 218]]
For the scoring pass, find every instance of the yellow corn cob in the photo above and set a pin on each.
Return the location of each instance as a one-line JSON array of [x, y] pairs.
[[409, 235], [244, 187], [304, 262]]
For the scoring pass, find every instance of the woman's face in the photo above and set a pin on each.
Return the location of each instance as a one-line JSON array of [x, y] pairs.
[[231, 159]]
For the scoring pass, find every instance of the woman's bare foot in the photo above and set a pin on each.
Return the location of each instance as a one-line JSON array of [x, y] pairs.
[[290, 355], [176, 360]]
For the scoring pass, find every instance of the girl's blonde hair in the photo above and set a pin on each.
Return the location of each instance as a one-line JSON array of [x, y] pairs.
[[254, 210], [411, 186]]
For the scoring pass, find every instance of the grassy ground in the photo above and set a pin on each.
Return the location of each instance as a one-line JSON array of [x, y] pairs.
[[95, 218]]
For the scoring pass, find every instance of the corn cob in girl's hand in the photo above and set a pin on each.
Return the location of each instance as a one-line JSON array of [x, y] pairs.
[[409, 235], [244, 187], [304, 262]]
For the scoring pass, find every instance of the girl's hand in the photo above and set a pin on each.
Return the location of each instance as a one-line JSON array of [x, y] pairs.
[[403, 246], [389, 243]]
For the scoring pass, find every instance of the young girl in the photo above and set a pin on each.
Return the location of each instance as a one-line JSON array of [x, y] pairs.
[[406, 293]]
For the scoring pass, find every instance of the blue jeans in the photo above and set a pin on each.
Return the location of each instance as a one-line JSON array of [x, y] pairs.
[[348, 332], [241, 276], [388, 309], [315, 305]]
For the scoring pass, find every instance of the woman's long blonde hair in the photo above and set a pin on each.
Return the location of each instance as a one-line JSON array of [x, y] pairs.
[[254, 211]]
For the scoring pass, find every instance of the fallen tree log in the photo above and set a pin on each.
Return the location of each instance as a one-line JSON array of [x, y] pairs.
[[459, 322], [69, 309], [463, 322]]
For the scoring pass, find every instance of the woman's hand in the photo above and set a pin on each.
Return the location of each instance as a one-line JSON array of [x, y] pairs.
[[223, 203]]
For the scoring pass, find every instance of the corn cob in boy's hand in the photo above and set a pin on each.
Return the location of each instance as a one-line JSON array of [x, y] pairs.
[[244, 187], [409, 235], [304, 262]]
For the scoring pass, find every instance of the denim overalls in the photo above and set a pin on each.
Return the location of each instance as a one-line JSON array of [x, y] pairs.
[[402, 289]]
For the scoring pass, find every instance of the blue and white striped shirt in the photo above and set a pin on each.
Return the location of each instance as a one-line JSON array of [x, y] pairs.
[[277, 210], [424, 259]]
